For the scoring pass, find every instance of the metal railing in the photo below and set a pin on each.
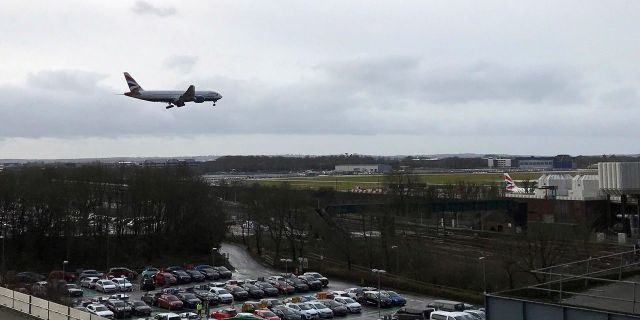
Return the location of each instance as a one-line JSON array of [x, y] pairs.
[[41, 308]]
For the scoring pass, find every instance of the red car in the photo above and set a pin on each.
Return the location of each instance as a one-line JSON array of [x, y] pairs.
[[122, 273], [266, 314], [169, 301], [283, 287], [57, 275], [164, 279], [225, 313]]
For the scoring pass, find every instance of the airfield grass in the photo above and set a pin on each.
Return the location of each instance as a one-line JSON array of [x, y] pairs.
[[347, 182]]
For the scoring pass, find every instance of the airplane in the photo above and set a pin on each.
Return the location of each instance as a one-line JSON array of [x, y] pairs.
[[173, 98], [511, 185]]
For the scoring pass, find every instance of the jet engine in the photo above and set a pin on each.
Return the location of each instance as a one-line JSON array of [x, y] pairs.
[[198, 99]]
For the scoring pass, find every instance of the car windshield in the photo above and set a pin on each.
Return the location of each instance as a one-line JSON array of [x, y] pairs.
[[139, 303], [319, 305], [101, 308], [265, 285], [118, 304], [223, 291], [348, 300], [392, 294], [223, 268], [72, 286], [108, 283], [252, 287], [171, 298], [189, 296], [305, 307], [268, 314]]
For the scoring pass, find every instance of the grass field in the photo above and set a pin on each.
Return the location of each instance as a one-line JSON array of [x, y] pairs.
[[374, 181]]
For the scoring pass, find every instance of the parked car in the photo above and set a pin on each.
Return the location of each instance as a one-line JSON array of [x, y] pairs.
[[189, 316], [149, 271], [266, 314], [222, 293], [74, 291], [167, 316], [477, 314], [119, 296], [446, 305], [123, 284], [40, 289], [57, 275], [396, 299], [313, 283], [90, 273], [189, 300], [28, 277], [151, 297], [339, 293], [224, 272], [338, 308], [207, 296], [89, 282], [373, 298], [307, 311], [299, 285], [449, 315], [147, 284], [317, 276], [225, 313], [196, 276], [413, 314], [270, 303], [323, 311], [181, 276], [209, 272], [164, 279], [254, 291], [106, 286], [250, 306], [119, 308], [169, 301], [352, 305], [121, 272], [238, 293], [268, 289], [139, 308], [286, 313], [100, 310], [283, 286]]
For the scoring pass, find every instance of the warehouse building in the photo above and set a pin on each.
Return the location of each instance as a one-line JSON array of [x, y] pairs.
[[499, 162], [362, 168]]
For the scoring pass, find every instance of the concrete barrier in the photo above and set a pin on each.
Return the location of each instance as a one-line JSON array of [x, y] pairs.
[[40, 308]]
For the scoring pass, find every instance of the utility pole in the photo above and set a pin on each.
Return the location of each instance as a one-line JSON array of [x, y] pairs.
[[378, 272]]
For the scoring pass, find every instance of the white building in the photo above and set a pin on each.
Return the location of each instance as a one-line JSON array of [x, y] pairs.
[[363, 168], [499, 163]]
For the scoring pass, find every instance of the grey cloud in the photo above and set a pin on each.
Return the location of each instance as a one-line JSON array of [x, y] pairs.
[[65, 80], [181, 63], [621, 98], [144, 7]]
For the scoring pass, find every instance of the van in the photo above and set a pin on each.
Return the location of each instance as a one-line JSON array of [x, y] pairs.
[[446, 305], [446, 315]]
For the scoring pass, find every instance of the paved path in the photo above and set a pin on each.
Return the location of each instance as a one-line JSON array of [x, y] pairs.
[[6, 314]]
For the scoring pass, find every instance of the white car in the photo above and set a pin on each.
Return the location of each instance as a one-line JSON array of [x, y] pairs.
[[308, 312], [189, 316], [353, 292], [167, 316], [123, 284], [106, 286], [89, 282], [224, 295], [340, 293], [323, 311], [477, 314], [100, 310], [352, 305]]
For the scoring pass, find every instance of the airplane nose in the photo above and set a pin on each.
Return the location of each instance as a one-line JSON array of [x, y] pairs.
[[219, 96]]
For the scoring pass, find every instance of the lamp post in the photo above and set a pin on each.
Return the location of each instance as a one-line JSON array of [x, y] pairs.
[[395, 249], [484, 275], [378, 272], [3, 235], [64, 265], [285, 264], [213, 256]]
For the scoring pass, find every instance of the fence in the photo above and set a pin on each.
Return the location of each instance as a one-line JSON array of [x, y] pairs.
[[40, 308]]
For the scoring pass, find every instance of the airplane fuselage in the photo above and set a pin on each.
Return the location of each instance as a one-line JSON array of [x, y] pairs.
[[173, 96]]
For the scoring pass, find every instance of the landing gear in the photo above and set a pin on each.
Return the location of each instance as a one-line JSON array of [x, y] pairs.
[[169, 106], [214, 104]]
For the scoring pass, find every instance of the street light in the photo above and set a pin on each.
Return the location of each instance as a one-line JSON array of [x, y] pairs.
[[213, 257], [397, 258], [3, 235], [484, 275], [378, 271], [64, 264], [285, 264]]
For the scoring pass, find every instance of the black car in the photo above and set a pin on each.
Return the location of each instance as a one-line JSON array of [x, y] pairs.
[[338, 308], [119, 308], [324, 280], [298, 284], [207, 296], [189, 300], [73, 290], [196, 276], [139, 308], [371, 298], [209, 272], [147, 284], [181, 276], [238, 293], [224, 272], [313, 283], [254, 291], [413, 314], [268, 288], [28, 277], [286, 313]]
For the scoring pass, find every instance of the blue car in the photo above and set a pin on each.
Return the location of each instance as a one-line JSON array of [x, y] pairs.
[[396, 299]]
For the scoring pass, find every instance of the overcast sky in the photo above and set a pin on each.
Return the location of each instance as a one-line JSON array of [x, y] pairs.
[[320, 77]]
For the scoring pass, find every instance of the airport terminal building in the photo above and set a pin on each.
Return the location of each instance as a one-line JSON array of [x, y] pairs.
[[362, 168]]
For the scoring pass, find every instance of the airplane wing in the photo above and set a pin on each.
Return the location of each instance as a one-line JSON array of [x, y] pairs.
[[187, 96]]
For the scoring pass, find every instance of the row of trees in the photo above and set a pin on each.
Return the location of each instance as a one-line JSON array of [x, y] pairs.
[[96, 216]]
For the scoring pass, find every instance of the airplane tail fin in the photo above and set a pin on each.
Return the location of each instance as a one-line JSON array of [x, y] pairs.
[[511, 185], [133, 85]]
